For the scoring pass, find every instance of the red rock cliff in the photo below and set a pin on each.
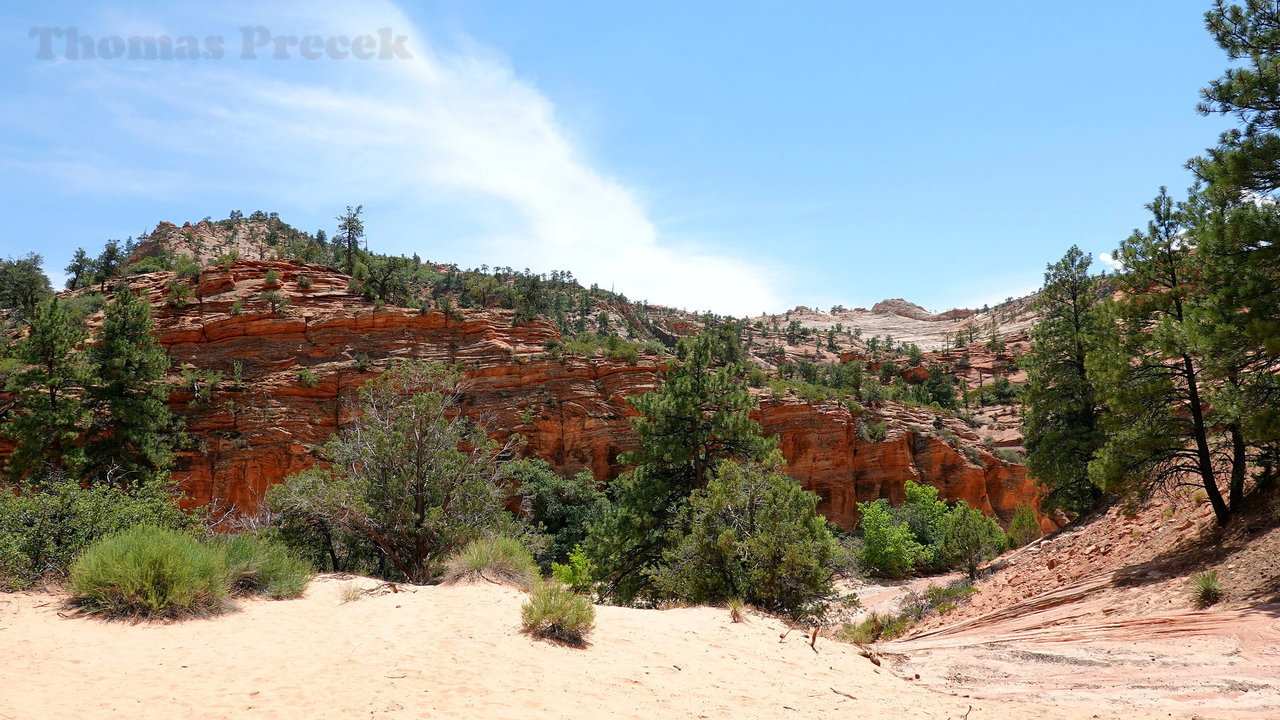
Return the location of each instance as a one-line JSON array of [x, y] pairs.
[[259, 391]]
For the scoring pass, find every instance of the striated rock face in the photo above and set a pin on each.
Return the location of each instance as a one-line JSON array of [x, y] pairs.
[[260, 391], [825, 454]]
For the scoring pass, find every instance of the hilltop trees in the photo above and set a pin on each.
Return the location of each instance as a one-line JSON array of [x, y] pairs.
[[22, 283], [350, 232], [1060, 415]]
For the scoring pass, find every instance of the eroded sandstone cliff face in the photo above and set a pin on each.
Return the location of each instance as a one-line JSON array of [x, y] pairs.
[[259, 391]]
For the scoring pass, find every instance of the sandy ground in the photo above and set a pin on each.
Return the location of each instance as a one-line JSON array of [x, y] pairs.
[[454, 652]]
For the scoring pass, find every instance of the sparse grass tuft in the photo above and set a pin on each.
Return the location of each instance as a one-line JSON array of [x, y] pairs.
[[496, 559], [349, 592], [737, 610], [150, 572], [554, 612], [1206, 589]]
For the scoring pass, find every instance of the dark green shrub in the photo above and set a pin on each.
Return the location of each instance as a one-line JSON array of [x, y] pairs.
[[754, 534], [150, 572], [495, 559], [262, 566], [554, 612], [889, 547], [45, 524], [969, 537], [562, 507]]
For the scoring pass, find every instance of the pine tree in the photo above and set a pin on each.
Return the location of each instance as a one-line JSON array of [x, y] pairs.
[[1060, 408], [130, 442], [49, 415], [80, 270], [1147, 371], [350, 231], [696, 420]]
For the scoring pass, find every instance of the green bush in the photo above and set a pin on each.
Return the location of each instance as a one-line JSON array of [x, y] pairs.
[[308, 378], [970, 537], [889, 547], [45, 524], [1024, 527], [554, 612], [260, 566], [872, 431], [756, 535], [150, 572], [578, 573], [496, 559]]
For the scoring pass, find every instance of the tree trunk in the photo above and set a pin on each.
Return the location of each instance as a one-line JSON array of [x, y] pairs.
[[1204, 461], [1238, 460]]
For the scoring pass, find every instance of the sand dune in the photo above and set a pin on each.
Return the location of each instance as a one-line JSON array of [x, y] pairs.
[[448, 652]]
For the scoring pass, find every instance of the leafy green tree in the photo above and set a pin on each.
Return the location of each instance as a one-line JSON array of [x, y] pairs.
[[890, 548], [50, 413], [131, 439], [696, 420], [754, 535], [23, 283], [409, 479], [1246, 158], [1060, 406]]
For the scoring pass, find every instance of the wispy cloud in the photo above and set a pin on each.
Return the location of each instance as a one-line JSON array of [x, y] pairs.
[[452, 133], [1109, 262]]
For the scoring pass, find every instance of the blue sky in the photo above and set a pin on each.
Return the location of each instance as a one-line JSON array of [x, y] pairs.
[[735, 156]]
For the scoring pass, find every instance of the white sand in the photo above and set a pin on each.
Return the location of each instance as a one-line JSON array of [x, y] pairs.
[[448, 652]]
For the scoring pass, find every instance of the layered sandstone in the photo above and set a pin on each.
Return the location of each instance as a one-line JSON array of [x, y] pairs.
[[260, 391]]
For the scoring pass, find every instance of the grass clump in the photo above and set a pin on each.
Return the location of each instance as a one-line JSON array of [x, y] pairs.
[[496, 559], [873, 628], [259, 566], [1206, 589], [152, 572], [554, 612], [737, 610]]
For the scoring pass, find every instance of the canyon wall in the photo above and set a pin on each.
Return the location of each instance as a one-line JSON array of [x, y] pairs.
[[259, 391]]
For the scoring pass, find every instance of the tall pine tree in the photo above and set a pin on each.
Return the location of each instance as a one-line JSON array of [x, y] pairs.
[[49, 415], [1060, 416], [131, 441]]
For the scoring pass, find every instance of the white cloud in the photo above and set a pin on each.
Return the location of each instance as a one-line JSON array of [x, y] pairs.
[[453, 133], [1110, 262]]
